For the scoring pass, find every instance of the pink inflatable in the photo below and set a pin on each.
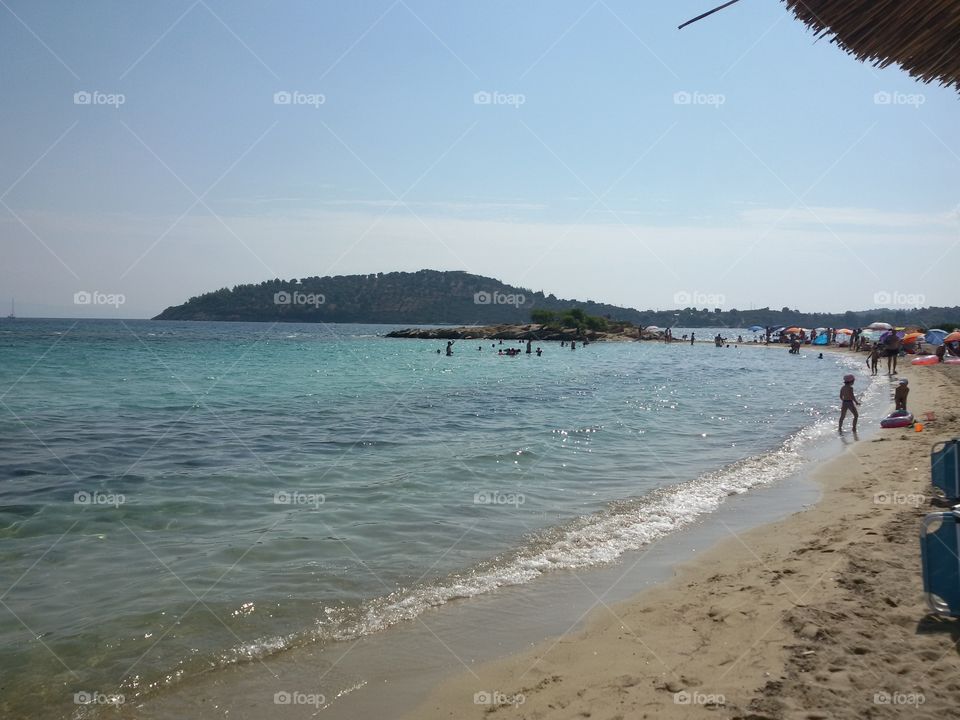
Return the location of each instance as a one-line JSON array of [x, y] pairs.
[[951, 361], [925, 360], [898, 419]]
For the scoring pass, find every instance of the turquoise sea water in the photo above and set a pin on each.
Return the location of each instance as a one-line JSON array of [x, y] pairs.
[[179, 497]]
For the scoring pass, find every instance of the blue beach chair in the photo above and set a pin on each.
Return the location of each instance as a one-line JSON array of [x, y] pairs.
[[940, 557], [945, 467]]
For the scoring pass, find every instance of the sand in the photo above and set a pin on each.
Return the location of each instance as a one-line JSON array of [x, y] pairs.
[[820, 615]]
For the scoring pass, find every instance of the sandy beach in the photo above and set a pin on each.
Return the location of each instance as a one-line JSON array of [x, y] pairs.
[[820, 615]]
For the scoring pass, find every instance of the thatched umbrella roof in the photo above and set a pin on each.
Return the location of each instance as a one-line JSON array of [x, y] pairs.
[[922, 36]]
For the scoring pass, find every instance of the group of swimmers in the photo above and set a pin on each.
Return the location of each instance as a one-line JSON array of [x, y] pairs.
[[511, 351]]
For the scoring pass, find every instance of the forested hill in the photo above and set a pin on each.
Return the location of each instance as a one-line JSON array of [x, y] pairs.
[[424, 297], [455, 297]]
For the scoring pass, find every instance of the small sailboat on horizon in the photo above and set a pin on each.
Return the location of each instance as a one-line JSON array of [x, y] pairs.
[[13, 310]]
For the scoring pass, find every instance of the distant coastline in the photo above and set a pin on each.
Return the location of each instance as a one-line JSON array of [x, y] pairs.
[[457, 298]]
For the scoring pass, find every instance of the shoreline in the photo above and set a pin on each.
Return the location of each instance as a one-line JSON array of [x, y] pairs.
[[462, 623], [813, 616]]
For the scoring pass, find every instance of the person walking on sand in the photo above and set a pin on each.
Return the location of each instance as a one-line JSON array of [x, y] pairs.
[[892, 343], [873, 359], [848, 402], [900, 395]]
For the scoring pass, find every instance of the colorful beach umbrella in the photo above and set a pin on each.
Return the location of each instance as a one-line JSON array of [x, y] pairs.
[[935, 337], [793, 330], [911, 337], [952, 337], [880, 326], [844, 331], [755, 328]]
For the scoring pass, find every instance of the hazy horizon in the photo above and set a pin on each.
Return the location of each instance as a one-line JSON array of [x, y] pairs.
[[589, 150]]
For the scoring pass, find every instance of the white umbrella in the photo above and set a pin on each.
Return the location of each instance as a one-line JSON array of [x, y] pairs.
[[879, 326]]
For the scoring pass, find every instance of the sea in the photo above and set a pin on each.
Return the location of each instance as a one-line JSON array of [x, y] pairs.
[[182, 498]]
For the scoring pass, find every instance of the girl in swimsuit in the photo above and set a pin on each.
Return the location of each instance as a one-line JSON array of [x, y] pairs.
[[848, 402]]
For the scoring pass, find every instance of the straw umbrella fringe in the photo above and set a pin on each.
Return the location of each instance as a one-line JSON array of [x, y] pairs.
[[922, 36]]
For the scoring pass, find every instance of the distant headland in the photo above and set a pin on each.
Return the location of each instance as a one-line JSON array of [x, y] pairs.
[[433, 297]]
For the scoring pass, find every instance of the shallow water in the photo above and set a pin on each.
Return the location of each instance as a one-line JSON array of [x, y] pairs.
[[180, 497]]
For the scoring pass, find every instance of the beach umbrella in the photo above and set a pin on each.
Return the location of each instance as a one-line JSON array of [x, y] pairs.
[[952, 337], [793, 330], [879, 326], [935, 337], [653, 328], [756, 328], [844, 331], [912, 337]]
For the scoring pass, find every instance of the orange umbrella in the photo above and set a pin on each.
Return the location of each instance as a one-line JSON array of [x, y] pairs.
[[912, 337], [793, 330], [844, 331], [953, 337]]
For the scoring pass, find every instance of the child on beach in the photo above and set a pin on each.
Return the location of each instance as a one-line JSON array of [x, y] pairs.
[[900, 395], [873, 360], [848, 402]]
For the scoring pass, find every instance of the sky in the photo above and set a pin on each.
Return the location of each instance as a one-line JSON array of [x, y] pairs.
[[156, 151]]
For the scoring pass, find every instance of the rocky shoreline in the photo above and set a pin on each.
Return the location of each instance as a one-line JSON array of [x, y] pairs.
[[531, 331]]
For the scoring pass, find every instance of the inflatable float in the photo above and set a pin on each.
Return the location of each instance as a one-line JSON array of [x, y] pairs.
[[932, 360], [897, 419]]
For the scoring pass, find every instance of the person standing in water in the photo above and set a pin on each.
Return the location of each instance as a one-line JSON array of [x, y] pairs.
[[848, 402], [449, 348], [873, 359], [529, 349], [692, 336]]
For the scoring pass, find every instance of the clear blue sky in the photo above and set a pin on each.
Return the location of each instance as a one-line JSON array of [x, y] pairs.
[[785, 180]]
